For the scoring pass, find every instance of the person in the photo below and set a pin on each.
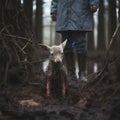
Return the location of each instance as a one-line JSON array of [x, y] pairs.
[[74, 18]]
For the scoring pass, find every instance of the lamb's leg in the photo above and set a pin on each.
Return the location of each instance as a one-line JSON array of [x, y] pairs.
[[63, 89], [48, 86]]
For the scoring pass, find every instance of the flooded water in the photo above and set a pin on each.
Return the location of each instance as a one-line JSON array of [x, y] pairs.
[[94, 68]]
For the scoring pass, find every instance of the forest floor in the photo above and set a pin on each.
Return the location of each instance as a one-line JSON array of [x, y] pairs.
[[98, 99]]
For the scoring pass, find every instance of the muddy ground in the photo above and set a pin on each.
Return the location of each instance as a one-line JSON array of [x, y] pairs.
[[98, 99]]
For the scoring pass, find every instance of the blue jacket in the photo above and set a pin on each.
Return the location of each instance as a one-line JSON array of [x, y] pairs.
[[73, 14]]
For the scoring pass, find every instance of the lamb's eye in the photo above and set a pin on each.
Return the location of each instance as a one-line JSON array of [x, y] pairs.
[[51, 53]]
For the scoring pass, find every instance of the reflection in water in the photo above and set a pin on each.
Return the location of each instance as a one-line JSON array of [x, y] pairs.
[[95, 67], [45, 64]]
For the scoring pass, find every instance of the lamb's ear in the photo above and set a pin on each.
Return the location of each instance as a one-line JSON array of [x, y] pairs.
[[44, 47], [64, 43]]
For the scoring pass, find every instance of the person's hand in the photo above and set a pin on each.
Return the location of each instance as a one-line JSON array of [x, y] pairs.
[[53, 16], [93, 8]]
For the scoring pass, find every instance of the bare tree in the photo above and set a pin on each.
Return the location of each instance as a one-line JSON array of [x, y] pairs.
[[101, 28], [90, 39], [112, 20], [39, 21], [119, 22], [28, 9], [112, 17], [119, 12], [15, 43]]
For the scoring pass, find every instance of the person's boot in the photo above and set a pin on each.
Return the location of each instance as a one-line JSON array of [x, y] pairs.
[[70, 64], [82, 64]]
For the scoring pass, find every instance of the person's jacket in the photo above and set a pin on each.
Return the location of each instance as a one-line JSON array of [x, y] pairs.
[[73, 14]]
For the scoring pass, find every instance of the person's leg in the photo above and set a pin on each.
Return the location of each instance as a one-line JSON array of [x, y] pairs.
[[82, 63], [69, 55], [80, 45]]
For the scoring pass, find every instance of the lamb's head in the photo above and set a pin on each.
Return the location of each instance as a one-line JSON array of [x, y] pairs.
[[56, 52]]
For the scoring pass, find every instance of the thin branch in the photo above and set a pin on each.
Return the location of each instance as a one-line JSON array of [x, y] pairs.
[[32, 62], [108, 50], [25, 46], [18, 37]]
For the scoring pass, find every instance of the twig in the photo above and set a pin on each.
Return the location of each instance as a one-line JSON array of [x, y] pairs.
[[20, 48], [5, 28], [112, 40], [6, 73], [32, 62], [108, 50], [18, 37], [8, 63], [25, 46]]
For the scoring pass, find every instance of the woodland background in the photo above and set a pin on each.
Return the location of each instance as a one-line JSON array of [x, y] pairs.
[[26, 23], [105, 22]]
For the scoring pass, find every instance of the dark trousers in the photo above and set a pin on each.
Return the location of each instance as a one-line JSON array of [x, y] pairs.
[[76, 41]]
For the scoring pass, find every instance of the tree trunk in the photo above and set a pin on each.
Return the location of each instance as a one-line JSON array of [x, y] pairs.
[[90, 39], [39, 21], [28, 5], [112, 17], [119, 22], [112, 21], [15, 43], [119, 13], [101, 28], [39, 28]]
